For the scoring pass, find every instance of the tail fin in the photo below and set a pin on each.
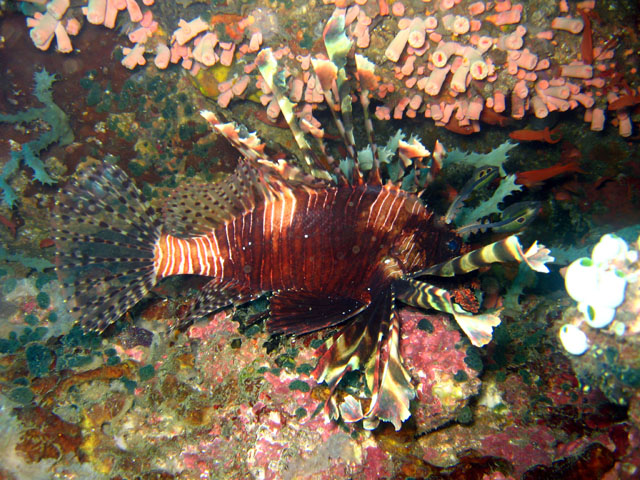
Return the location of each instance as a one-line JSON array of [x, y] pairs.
[[105, 233]]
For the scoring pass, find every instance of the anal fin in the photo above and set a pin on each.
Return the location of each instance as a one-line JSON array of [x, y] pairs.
[[299, 312]]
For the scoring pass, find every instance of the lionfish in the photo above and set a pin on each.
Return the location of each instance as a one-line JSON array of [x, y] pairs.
[[335, 249]]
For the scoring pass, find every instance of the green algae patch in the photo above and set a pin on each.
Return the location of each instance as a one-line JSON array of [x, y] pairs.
[[304, 369], [146, 372], [465, 416], [460, 376], [473, 359], [39, 359], [299, 385], [425, 325], [22, 395]]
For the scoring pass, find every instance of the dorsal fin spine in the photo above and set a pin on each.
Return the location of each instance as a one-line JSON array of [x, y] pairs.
[[269, 70], [366, 80], [338, 46]]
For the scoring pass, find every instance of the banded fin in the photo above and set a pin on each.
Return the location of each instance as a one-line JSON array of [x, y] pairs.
[[369, 343], [506, 250], [246, 143], [351, 409], [274, 78], [338, 47], [368, 82], [477, 327], [196, 209], [297, 312], [390, 402], [105, 233]]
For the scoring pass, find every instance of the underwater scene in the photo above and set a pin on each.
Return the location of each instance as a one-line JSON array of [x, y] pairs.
[[320, 239]]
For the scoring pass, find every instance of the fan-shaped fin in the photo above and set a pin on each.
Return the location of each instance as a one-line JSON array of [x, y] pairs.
[[105, 233], [369, 343], [300, 312], [392, 390]]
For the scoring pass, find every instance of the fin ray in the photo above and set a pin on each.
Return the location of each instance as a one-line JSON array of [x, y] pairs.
[[301, 312], [369, 343], [506, 250], [215, 295], [105, 234], [198, 208]]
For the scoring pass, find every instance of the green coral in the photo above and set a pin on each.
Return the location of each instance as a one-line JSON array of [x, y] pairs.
[[59, 131], [495, 158], [507, 187]]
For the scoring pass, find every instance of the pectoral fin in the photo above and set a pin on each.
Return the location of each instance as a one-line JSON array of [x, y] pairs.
[[369, 343], [213, 296], [300, 312]]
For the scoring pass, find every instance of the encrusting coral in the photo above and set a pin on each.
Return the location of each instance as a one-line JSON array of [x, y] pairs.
[[459, 63]]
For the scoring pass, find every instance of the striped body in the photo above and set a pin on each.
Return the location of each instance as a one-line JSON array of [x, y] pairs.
[[333, 240]]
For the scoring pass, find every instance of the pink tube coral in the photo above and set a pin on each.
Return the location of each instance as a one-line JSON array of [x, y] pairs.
[[436, 79]]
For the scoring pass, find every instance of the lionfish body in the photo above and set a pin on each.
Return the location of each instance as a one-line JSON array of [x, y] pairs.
[[331, 240], [336, 252], [344, 242]]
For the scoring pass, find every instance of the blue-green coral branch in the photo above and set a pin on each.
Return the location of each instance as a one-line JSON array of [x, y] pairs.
[[29, 153]]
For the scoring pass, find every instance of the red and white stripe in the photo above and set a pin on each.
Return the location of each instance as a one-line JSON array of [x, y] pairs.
[[178, 256]]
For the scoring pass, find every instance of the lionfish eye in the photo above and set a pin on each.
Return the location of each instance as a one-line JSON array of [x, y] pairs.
[[453, 245]]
